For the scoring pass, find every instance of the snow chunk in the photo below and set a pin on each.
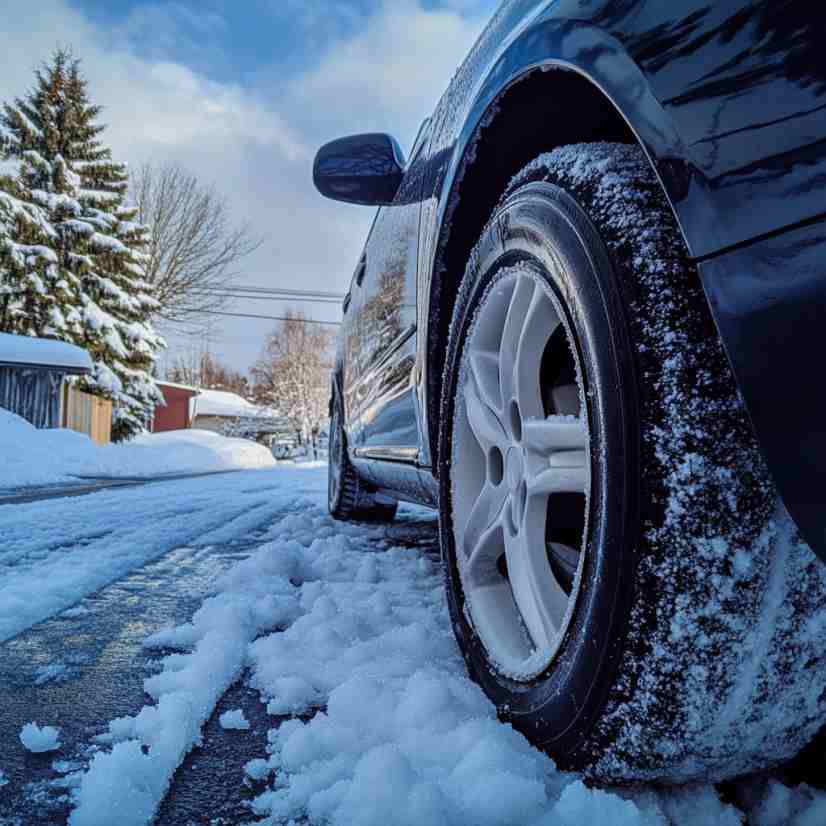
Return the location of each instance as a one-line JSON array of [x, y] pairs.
[[234, 720], [257, 769], [39, 740]]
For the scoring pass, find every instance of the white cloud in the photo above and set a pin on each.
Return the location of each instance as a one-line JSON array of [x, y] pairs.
[[255, 142], [390, 75]]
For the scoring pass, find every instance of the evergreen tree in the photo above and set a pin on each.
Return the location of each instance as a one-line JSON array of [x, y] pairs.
[[71, 255]]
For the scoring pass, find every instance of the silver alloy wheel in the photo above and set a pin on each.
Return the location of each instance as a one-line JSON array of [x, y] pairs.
[[520, 464]]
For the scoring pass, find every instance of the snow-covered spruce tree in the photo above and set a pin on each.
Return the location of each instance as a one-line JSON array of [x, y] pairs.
[[71, 256]]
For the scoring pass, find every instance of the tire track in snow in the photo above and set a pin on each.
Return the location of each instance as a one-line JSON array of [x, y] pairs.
[[51, 563]]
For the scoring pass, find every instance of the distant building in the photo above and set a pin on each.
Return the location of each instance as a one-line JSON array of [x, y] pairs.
[[176, 414], [223, 412]]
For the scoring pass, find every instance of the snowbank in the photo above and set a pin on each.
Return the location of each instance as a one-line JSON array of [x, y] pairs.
[[38, 740], [41, 457]]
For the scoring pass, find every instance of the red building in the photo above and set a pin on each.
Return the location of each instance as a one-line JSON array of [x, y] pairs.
[[177, 414]]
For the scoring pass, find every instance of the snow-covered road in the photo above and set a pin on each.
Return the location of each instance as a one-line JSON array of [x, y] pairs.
[[133, 620]]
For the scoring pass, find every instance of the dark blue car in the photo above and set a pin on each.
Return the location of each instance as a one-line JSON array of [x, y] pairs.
[[587, 326]]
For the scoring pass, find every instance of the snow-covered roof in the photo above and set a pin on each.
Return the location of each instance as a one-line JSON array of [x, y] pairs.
[[43, 352], [223, 403], [164, 383]]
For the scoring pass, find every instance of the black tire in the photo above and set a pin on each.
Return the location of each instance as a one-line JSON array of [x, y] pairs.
[[692, 653], [349, 498]]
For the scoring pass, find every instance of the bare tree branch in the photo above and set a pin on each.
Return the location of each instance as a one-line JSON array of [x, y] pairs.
[[195, 249]]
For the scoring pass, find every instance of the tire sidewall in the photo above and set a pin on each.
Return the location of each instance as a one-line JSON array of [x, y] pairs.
[[541, 227]]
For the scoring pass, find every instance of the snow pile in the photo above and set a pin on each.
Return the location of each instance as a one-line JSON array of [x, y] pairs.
[[234, 720], [42, 457], [39, 740]]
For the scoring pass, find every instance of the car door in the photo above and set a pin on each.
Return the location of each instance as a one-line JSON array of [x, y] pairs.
[[348, 355], [385, 392]]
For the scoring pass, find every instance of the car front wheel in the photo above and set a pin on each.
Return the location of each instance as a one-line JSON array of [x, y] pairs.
[[622, 581]]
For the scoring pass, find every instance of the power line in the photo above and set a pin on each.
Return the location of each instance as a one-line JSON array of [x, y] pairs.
[[272, 318], [285, 298], [236, 288]]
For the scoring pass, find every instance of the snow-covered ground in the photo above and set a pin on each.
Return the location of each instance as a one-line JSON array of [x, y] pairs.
[[45, 457], [341, 631]]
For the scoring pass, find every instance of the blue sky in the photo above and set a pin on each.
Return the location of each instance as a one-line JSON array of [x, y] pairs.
[[243, 93]]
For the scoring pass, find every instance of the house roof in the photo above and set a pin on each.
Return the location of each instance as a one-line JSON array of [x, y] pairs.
[[229, 405], [44, 353], [163, 383]]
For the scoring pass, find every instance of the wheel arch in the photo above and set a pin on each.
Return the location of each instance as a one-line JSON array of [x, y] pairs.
[[554, 67]]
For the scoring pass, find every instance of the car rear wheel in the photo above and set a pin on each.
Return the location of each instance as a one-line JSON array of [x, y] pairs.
[[621, 579], [348, 496]]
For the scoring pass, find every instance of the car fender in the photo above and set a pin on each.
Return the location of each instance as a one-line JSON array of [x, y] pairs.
[[540, 40]]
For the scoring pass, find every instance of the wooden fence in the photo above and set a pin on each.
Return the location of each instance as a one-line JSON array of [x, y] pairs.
[[87, 414]]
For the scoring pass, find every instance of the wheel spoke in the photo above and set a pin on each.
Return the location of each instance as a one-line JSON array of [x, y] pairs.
[[540, 321], [544, 437], [540, 599], [566, 472], [484, 366], [482, 420], [520, 302], [483, 540]]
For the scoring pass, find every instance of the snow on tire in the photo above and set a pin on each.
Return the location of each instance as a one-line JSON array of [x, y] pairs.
[[693, 644]]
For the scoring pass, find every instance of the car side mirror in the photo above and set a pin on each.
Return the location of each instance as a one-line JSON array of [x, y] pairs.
[[360, 169]]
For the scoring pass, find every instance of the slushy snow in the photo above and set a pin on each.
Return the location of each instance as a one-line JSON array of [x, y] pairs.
[[38, 740], [234, 720]]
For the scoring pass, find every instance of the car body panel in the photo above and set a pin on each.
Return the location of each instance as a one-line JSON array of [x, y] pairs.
[[769, 300], [728, 99]]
